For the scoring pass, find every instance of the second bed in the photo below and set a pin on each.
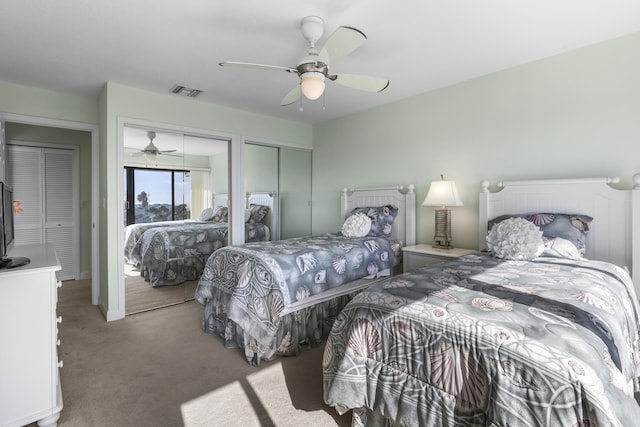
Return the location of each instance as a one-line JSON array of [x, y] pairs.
[[274, 298]]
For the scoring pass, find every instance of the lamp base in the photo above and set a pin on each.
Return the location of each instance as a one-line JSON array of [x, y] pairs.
[[442, 236]]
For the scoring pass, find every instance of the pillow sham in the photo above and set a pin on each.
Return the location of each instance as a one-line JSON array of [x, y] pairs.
[[558, 247], [221, 214], [357, 225], [571, 227], [382, 218], [515, 239], [258, 214], [206, 214]]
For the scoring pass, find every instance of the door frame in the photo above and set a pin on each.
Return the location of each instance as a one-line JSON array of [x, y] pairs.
[[75, 186], [95, 185]]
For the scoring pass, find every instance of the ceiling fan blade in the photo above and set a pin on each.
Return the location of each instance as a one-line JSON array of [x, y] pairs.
[[166, 151], [341, 43], [291, 97], [136, 154], [257, 66], [356, 81]]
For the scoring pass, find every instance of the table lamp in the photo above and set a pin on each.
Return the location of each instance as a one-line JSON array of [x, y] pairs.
[[442, 194]]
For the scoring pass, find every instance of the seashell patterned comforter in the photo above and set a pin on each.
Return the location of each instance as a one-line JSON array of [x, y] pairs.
[[246, 289], [133, 235], [172, 254], [483, 342]]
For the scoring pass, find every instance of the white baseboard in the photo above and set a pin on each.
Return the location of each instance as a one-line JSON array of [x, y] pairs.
[[111, 315]]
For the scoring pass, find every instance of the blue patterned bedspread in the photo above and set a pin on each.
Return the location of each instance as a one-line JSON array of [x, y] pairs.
[[173, 254], [484, 342], [263, 278]]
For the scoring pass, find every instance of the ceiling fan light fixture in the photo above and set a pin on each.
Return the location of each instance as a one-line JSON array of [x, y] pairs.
[[151, 158], [312, 85]]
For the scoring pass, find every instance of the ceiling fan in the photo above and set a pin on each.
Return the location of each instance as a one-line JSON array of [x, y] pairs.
[[151, 151], [313, 69]]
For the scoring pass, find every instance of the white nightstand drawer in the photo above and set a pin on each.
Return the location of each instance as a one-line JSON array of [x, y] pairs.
[[417, 256]]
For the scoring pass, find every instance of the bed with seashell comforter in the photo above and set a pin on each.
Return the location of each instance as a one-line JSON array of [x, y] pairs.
[[276, 298], [172, 252], [485, 342], [535, 330]]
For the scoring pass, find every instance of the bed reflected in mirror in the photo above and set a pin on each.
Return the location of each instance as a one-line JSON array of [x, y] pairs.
[[171, 223]]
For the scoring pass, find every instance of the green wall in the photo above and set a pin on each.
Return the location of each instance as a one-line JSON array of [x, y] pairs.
[[575, 114], [572, 115], [124, 102], [25, 100], [118, 101]]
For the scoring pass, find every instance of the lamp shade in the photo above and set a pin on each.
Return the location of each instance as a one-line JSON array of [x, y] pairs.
[[312, 85], [442, 193]]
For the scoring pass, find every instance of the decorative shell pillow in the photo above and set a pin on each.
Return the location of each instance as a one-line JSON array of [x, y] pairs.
[[220, 214], [571, 227], [257, 214], [357, 225], [515, 239], [206, 214], [382, 218]]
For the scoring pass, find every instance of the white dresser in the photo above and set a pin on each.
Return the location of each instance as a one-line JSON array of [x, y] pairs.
[[29, 380]]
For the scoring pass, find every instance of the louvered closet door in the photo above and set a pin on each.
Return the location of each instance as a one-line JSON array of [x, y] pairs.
[[24, 174], [43, 182], [59, 208]]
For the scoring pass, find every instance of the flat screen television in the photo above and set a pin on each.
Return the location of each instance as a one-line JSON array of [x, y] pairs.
[[8, 230]]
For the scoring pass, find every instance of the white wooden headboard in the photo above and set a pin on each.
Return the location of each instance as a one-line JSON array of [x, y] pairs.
[[404, 198], [221, 199], [267, 198], [614, 231], [264, 198]]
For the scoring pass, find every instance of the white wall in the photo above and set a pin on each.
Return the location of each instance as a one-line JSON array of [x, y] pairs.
[[573, 115]]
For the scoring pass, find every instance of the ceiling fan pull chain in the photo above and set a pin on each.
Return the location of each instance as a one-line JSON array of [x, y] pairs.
[[324, 95]]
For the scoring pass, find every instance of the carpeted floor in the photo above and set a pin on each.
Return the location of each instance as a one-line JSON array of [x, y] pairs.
[[158, 368]]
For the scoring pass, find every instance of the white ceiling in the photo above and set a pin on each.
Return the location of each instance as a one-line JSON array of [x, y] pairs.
[[75, 46]]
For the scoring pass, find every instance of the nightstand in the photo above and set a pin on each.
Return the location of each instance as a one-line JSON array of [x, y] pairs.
[[414, 257]]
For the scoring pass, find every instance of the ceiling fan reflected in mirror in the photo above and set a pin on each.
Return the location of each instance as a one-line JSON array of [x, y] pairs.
[[313, 69], [151, 152]]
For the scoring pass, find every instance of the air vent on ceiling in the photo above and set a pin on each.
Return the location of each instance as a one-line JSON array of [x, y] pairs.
[[185, 91]]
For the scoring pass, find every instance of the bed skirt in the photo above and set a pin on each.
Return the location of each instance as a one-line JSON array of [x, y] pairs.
[[306, 328]]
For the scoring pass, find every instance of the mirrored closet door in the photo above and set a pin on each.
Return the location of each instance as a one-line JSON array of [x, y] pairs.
[[285, 172], [172, 184]]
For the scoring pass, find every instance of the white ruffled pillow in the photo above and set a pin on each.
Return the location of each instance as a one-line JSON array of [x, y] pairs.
[[516, 239], [357, 225], [206, 214]]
